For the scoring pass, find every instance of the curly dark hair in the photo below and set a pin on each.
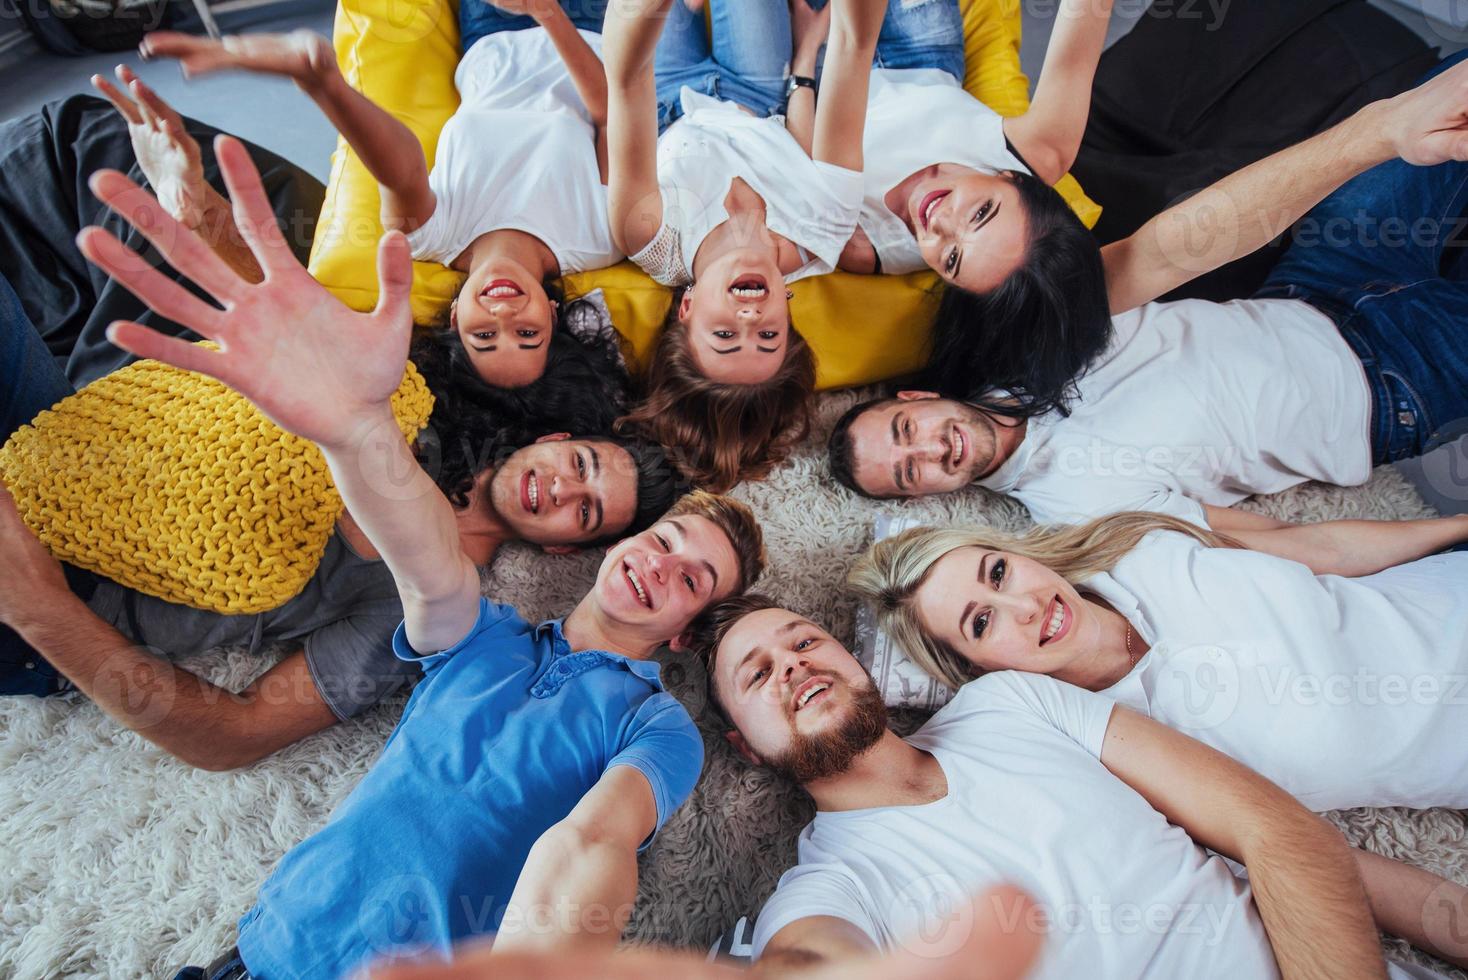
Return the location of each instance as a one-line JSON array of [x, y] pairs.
[[474, 424], [1018, 349]]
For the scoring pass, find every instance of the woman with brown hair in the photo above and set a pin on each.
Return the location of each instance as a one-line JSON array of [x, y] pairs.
[[1345, 691]]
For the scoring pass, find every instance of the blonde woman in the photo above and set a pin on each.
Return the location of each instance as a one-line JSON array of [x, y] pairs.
[[1345, 691]]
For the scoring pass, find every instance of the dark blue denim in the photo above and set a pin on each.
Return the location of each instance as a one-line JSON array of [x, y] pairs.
[[1384, 256], [30, 382], [742, 55], [479, 19]]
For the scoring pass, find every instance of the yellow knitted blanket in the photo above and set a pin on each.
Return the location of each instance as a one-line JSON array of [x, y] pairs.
[[172, 484]]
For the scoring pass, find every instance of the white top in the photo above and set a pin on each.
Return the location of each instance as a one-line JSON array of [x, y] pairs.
[[1127, 893], [1198, 401], [917, 117], [815, 205], [1346, 692], [520, 154]]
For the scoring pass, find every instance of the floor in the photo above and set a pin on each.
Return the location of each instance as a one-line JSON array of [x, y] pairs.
[[274, 114]]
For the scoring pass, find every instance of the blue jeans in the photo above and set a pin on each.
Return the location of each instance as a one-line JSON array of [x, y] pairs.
[[922, 34], [30, 382], [745, 62], [479, 19], [1386, 256]]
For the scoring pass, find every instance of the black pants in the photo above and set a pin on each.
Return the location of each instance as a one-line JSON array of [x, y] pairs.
[[45, 160]]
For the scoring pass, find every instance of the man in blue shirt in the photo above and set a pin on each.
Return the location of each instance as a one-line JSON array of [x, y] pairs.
[[532, 763]]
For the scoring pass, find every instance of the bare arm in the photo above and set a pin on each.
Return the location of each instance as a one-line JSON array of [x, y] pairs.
[[169, 158], [1049, 135], [197, 722], [314, 367], [808, 29], [634, 202], [1246, 210], [1304, 876], [1425, 909], [387, 148], [1348, 547], [846, 80]]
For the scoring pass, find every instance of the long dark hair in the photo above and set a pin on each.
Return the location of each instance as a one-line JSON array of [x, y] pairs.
[[1018, 349], [716, 433], [474, 424]]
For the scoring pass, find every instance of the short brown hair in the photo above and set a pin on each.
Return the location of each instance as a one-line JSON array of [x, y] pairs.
[[718, 434], [738, 524], [707, 631]]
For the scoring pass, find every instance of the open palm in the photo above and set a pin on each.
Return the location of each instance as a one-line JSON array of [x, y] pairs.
[[303, 56], [314, 366]]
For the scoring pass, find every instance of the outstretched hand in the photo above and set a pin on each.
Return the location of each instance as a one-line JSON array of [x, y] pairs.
[[315, 367], [303, 56], [167, 154], [1429, 124]]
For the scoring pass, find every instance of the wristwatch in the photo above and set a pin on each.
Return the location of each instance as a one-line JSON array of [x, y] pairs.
[[799, 81]]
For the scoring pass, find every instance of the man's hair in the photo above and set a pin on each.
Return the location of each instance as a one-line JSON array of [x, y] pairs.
[[658, 484], [739, 526], [583, 390], [841, 447], [1018, 349], [719, 433], [708, 631]]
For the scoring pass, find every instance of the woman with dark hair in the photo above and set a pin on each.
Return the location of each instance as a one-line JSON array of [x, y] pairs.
[[729, 205], [516, 198]]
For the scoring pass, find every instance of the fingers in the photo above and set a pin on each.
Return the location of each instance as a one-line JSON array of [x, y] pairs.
[[196, 55], [253, 214], [149, 343], [395, 279], [162, 294], [120, 102], [154, 109], [184, 250]]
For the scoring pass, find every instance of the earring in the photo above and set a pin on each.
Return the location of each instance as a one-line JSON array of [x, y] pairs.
[[789, 294]]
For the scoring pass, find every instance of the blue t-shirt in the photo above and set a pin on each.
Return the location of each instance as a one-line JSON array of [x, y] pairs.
[[503, 736]]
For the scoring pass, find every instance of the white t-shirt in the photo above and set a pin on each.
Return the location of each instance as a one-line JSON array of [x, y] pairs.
[[917, 117], [1127, 894], [813, 204], [520, 154], [1199, 402], [1346, 692]]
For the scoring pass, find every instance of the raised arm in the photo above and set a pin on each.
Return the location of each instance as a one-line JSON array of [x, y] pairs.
[[808, 30], [1049, 135], [313, 366], [1348, 548], [1248, 209], [387, 148], [846, 78], [634, 202], [1304, 877]]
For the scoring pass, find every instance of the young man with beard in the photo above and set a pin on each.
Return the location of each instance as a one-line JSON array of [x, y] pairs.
[[118, 645], [1352, 355], [1101, 814], [532, 762]]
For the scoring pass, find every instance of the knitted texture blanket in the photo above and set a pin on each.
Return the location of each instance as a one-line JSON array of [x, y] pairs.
[[168, 482]]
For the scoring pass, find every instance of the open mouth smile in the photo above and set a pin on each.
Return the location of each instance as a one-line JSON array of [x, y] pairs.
[[502, 289], [811, 690], [1057, 622], [928, 205], [960, 448], [749, 287], [635, 584], [530, 492]]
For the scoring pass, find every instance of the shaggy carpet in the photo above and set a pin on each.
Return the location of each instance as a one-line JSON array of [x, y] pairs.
[[121, 862]]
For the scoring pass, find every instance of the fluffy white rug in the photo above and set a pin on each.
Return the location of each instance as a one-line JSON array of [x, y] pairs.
[[121, 862]]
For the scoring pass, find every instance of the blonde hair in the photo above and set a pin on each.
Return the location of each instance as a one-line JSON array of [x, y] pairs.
[[892, 571]]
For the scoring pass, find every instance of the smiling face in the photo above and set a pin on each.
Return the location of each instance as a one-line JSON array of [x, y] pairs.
[[799, 701], [504, 317], [1001, 611], [738, 318], [656, 582], [564, 491], [918, 444], [970, 226]]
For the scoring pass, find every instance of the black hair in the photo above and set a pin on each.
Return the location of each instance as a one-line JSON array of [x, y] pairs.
[[1018, 349], [841, 447], [474, 424], [659, 484]]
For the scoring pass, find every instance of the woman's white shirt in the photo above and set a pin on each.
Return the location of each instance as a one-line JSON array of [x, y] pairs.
[[1346, 692], [918, 117], [814, 205], [519, 154]]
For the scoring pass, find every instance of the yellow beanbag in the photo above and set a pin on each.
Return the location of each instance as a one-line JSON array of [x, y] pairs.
[[402, 55], [172, 484]]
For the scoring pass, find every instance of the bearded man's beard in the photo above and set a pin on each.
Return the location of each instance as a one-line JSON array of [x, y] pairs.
[[813, 757]]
